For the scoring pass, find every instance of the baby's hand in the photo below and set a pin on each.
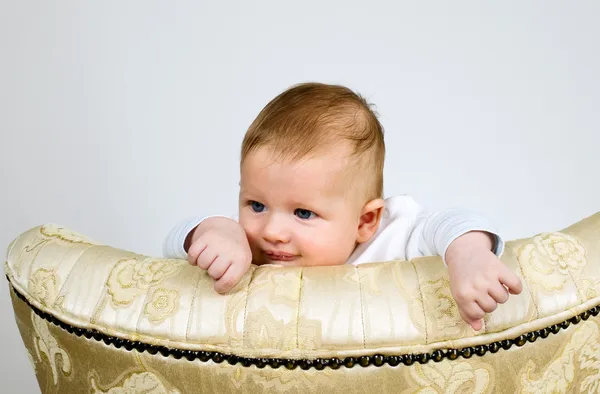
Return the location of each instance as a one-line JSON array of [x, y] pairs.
[[479, 280], [220, 246]]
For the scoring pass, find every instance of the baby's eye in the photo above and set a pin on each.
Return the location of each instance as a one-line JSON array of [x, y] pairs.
[[304, 213], [256, 206]]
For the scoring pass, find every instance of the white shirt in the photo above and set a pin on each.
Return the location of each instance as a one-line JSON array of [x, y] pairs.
[[406, 231]]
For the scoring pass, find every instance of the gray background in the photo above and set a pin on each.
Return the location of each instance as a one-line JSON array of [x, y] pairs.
[[119, 119]]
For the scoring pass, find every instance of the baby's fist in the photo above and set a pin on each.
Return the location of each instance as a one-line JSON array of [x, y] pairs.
[[220, 246], [479, 280]]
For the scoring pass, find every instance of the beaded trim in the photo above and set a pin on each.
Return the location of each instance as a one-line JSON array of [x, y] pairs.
[[320, 363]]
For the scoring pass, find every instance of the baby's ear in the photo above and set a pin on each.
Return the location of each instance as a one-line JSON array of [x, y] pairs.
[[370, 216]]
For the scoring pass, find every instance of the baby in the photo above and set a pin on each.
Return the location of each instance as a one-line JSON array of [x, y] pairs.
[[311, 194]]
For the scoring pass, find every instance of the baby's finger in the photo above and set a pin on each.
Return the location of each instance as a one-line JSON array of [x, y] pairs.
[[207, 257], [474, 323], [218, 268], [473, 311], [487, 303], [511, 281], [194, 251], [498, 293], [230, 278]]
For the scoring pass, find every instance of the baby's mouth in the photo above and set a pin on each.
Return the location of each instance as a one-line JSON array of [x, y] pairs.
[[279, 256]]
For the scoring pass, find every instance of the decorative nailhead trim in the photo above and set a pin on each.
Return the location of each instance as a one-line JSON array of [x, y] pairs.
[[376, 360]]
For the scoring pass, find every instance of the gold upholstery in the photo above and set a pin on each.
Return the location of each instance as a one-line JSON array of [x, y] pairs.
[[98, 319]]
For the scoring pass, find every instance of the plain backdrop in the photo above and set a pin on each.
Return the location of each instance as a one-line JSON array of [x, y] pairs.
[[118, 119]]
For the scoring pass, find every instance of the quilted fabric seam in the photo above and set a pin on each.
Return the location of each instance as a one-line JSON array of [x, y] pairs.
[[422, 302], [298, 309]]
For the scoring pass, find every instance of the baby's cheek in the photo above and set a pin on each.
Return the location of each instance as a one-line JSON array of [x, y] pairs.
[[327, 248], [249, 226]]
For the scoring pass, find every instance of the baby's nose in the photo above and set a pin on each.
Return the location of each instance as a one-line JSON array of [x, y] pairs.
[[276, 230]]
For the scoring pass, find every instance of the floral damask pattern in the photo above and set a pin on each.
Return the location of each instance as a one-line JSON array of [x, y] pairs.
[[131, 277], [279, 380], [441, 307], [451, 377], [135, 383], [285, 287], [589, 359], [434, 308], [43, 286], [163, 304], [562, 251], [64, 234], [550, 258], [589, 288], [580, 355], [45, 344]]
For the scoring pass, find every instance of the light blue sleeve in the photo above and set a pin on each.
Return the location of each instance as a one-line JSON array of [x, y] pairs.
[[434, 232]]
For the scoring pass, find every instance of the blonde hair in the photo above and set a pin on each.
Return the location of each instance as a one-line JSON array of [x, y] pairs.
[[309, 117]]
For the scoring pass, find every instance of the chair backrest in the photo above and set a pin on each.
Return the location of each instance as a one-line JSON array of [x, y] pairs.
[[99, 319]]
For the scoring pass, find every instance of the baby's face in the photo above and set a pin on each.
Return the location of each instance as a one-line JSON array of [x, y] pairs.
[[298, 213]]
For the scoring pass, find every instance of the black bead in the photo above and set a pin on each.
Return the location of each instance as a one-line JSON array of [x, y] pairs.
[[364, 361], [520, 340], [106, 340], [218, 358], [494, 347], [585, 315], [452, 354], [437, 356], [480, 350], [349, 362], [544, 332], [531, 336], [378, 360], [152, 349], [555, 328], [189, 355], [275, 363], [335, 363], [320, 364], [261, 363], [78, 331], [576, 319], [87, 333], [164, 351], [97, 336], [408, 359], [128, 345], [118, 342], [177, 354], [232, 360], [422, 358], [466, 352], [594, 311], [565, 324], [306, 364], [203, 356], [246, 362], [393, 360], [506, 344], [290, 364]]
